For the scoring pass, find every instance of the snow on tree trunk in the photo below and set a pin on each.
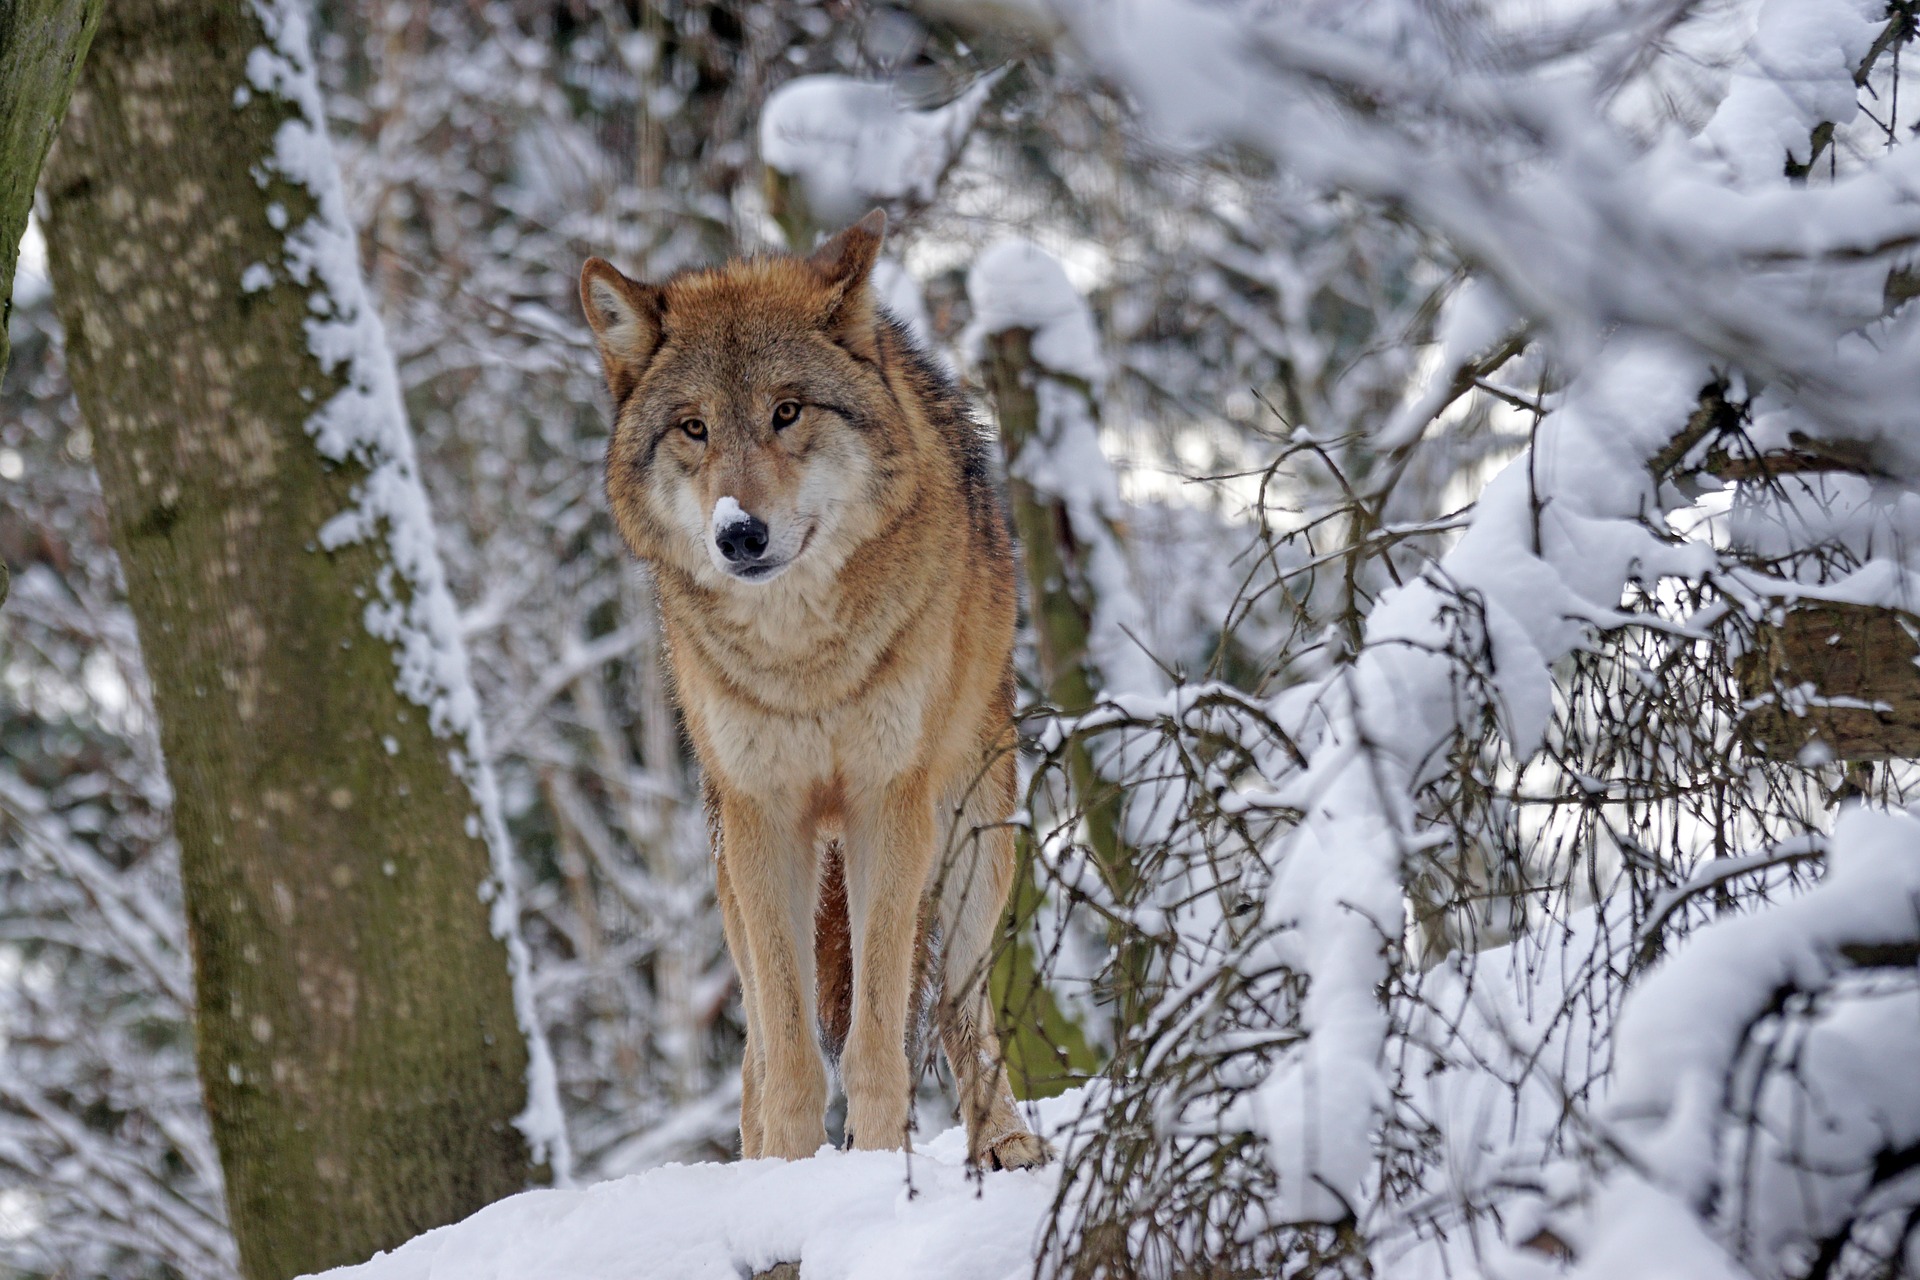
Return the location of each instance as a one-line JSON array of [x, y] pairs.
[[834, 146], [365, 1033], [1039, 351]]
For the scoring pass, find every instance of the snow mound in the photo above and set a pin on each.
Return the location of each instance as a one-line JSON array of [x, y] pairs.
[[1018, 285], [855, 143], [843, 1215]]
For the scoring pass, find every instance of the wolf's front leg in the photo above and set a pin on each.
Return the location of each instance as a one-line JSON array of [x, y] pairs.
[[753, 1068], [889, 851], [769, 866]]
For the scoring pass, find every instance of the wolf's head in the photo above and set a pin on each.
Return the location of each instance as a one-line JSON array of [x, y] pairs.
[[752, 426]]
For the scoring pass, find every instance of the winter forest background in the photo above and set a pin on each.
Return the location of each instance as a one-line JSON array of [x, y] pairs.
[[1465, 457]]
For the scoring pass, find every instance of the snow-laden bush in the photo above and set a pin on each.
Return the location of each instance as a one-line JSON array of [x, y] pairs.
[[1536, 734]]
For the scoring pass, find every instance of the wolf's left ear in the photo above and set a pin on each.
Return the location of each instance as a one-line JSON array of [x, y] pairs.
[[627, 319], [845, 266]]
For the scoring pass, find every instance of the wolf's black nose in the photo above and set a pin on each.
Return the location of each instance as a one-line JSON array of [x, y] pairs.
[[743, 540]]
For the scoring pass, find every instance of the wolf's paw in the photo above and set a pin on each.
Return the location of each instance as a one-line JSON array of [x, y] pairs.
[[1020, 1151]]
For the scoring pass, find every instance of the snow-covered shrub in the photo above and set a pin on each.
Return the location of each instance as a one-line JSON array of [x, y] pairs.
[[1528, 731]]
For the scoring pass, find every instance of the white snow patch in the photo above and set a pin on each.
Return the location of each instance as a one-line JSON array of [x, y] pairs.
[[30, 280], [1797, 72], [852, 144], [728, 512], [843, 1215], [1018, 285], [1679, 1032]]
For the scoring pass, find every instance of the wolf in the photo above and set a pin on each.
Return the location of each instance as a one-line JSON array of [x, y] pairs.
[[836, 586]]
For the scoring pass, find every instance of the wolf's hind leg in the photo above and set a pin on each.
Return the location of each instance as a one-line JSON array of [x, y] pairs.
[[833, 954], [972, 890]]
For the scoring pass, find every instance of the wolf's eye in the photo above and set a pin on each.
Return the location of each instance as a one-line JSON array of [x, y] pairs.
[[694, 428], [786, 413]]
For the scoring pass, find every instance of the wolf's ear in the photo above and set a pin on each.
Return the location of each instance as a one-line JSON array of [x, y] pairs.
[[627, 322], [845, 266]]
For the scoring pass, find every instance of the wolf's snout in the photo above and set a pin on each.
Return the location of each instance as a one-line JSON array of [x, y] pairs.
[[743, 541]]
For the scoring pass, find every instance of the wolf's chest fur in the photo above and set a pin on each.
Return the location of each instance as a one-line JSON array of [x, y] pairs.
[[819, 676]]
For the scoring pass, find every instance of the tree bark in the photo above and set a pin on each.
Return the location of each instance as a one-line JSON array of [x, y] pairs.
[[1059, 595], [42, 43], [1060, 598], [356, 1029]]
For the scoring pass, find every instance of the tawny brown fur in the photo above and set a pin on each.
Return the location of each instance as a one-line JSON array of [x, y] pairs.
[[852, 709]]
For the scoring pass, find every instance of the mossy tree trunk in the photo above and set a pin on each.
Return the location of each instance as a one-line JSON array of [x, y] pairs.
[[356, 1028], [42, 44], [1059, 596], [1060, 600]]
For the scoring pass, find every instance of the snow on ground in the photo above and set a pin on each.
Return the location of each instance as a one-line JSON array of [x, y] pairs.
[[844, 1215], [848, 1215]]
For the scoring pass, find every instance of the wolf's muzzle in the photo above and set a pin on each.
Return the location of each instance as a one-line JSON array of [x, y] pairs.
[[744, 542]]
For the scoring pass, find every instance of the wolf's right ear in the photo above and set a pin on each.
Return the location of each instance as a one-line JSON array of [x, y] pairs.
[[627, 323]]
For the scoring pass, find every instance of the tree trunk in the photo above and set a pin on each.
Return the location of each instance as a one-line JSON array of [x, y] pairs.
[[42, 43], [1058, 596], [1060, 599], [362, 1054], [1047, 1052]]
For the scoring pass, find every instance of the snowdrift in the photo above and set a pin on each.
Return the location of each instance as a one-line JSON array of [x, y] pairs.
[[843, 1215]]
